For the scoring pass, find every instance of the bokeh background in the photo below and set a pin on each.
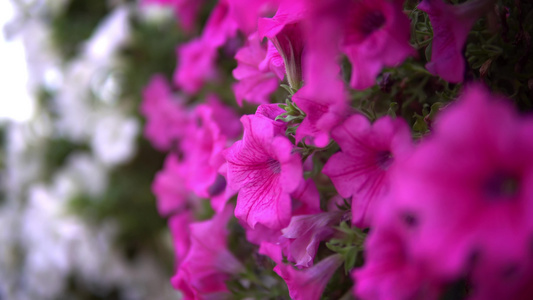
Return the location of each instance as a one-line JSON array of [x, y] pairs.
[[77, 216]]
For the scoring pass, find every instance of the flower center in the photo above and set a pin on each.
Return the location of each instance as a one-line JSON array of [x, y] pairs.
[[371, 22], [384, 159], [501, 186], [218, 186], [274, 165]]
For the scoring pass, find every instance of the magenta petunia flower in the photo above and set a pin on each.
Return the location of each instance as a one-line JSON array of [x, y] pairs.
[[324, 110], [376, 34], [254, 85], [212, 128], [467, 190], [196, 59], [285, 31], [451, 25], [261, 234], [309, 284], [179, 229], [169, 187], [166, 116], [264, 170], [306, 284], [390, 272], [304, 234], [273, 61], [246, 13], [306, 199], [361, 169], [196, 65], [208, 263], [224, 116], [220, 25], [513, 281], [220, 191]]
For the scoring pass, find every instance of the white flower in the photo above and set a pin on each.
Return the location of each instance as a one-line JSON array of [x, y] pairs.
[[114, 137]]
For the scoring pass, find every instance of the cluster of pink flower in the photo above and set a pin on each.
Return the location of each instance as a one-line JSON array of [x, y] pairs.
[[455, 206]]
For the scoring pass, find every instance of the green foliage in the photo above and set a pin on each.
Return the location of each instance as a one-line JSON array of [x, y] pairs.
[[151, 51], [57, 152], [129, 202], [348, 245], [499, 51], [75, 24], [257, 280]]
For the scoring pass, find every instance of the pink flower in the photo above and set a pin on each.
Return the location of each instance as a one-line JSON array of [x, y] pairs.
[[169, 187], [467, 190], [196, 65], [324, 109], [512, 280], [220, 191], [270, 112], [361, 170], [261, 234], [390, 272], [255, 85], [246, 13], [307, 284], [204, 143], [165, 114], [451, 25], [265, 171], [285, 31], [179, 229], [186, 10], [208, 263], [305, 233], [376, 34], [225, 117], [306, 199], [220, 25], [273, 61]]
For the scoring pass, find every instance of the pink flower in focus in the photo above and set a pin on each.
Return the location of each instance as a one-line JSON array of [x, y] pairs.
[[270, 112], [166, 117], [467, 190], [253, 84], [361, 170], [169, 187], [389, 271], [208, 263], [306, 232], [376, 34], [196, 65], [451, 25], [265, 171]]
